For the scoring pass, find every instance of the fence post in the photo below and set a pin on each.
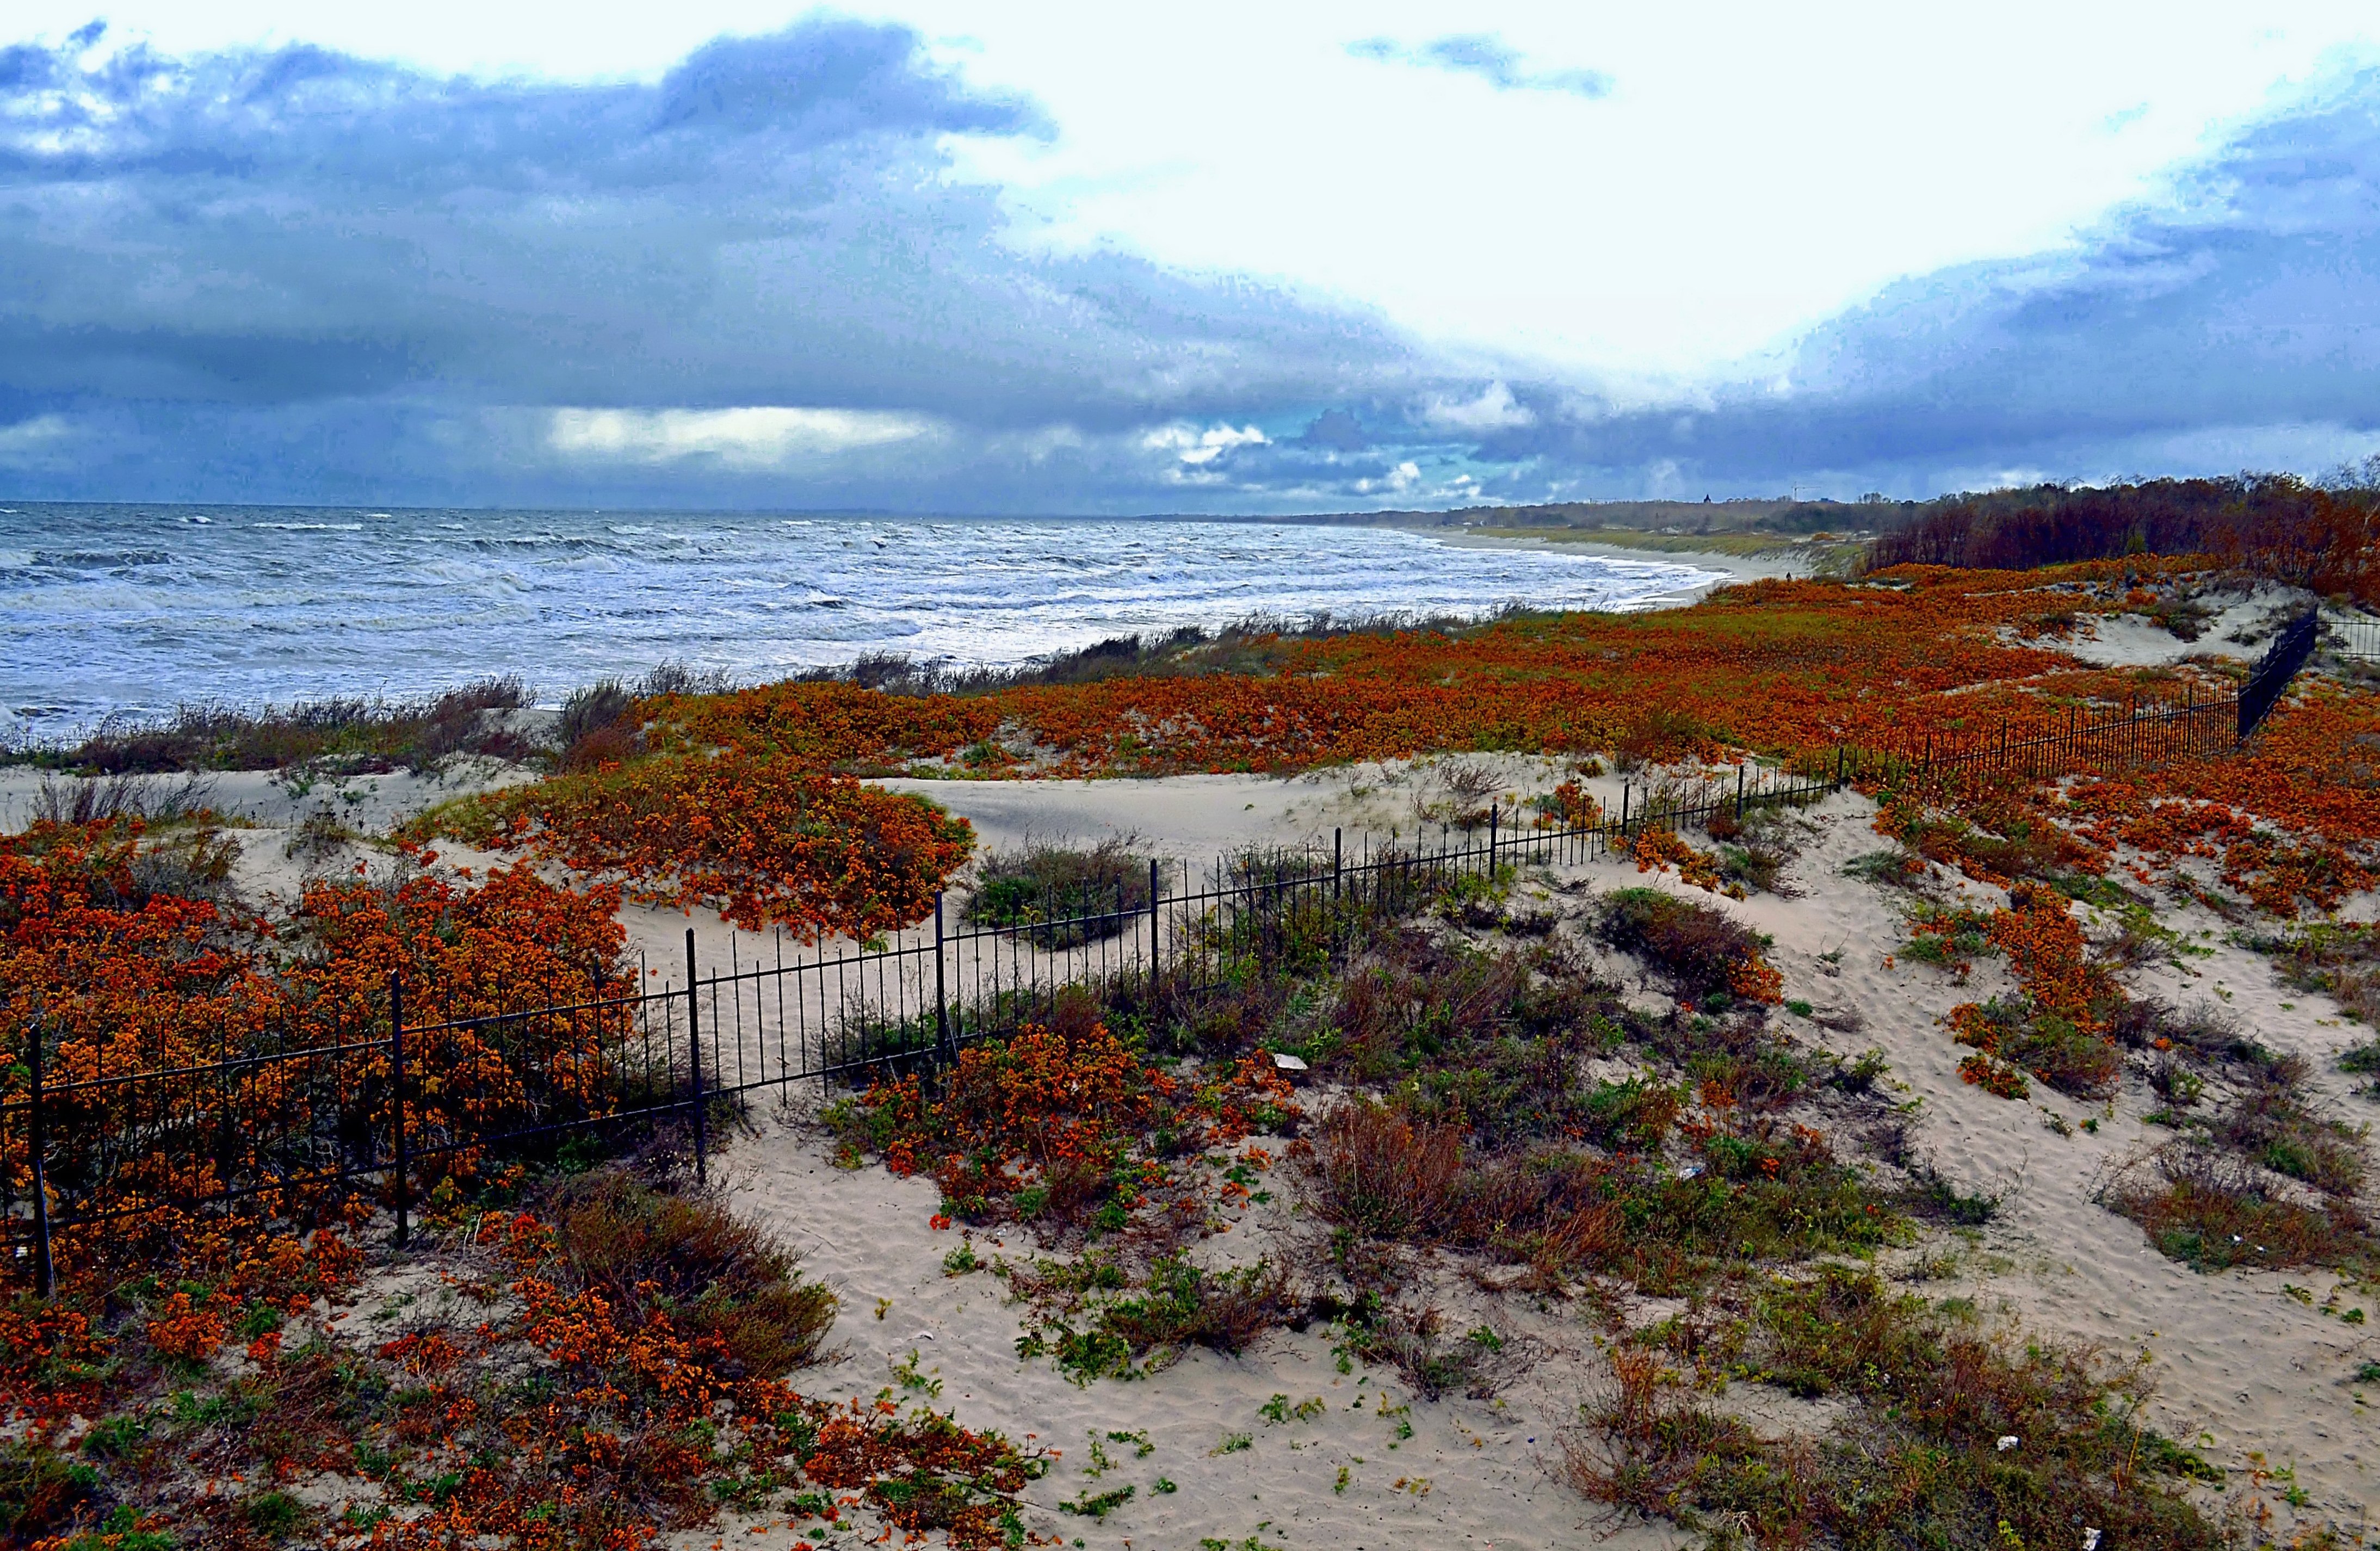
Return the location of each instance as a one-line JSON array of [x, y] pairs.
[[1623, 808], [942, 992], [1493, 810], [1739, 794], [396, 1101], [45, 1277], [693, 1062]]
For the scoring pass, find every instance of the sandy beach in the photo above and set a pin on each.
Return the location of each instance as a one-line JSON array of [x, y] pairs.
[[2243, 1365]]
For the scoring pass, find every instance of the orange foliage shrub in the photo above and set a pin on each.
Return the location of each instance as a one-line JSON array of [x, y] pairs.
[[824, 724], [1659, 849], [2045, 948], [1059, 1122], [125, 982], [762, 838], [188, 1331], [2058, 1032]]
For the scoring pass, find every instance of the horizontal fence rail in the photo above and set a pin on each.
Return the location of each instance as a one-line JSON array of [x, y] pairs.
[[97, 1142]]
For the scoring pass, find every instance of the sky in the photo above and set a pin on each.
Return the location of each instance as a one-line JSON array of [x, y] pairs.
[[935, 257]]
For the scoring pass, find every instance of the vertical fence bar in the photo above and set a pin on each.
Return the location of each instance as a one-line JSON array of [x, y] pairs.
[[694, 1063], [942, 991], [403, 1153], [45, 1277], [1155, 893]]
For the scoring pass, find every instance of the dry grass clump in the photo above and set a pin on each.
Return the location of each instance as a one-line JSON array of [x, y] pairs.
[[1385, 1176], [1099, 1318], [1917, 1460], [721, 1275], [2342, 960], [1699, 951], [2256, 1176], [1063, 895], [119, 798], [2213, 1211], [352, 737]]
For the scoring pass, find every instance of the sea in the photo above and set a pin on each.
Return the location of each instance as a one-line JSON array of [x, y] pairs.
[[126, 612]]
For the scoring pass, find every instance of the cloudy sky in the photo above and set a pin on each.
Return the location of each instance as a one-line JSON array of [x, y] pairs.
[[934, 256]]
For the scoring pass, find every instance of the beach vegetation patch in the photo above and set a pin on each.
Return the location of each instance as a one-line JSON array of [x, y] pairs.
[[605, 1370], [1700, 951], [2256, 1174], [1063, 896], [1946, 1436], [120, 973], [2340, 960], [1059, 1122], [338, 736], [764, 841]]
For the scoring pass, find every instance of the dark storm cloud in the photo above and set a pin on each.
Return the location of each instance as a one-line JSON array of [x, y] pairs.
[[292, 274], [249, 243]]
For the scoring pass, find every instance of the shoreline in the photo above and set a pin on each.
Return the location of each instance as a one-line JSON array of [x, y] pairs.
[[1729, 569]]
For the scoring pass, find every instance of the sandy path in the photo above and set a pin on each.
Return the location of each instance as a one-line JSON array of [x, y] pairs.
[[1471, 1471]]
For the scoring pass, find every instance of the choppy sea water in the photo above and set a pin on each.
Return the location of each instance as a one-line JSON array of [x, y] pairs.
[[131, 609]]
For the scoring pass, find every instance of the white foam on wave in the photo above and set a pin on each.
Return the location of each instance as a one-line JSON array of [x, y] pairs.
[[570, 596]]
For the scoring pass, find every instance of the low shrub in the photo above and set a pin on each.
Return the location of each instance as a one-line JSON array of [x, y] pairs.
[[721, 1274], [1698, 949], [1918, 1457], [1067, 1126], [2047, 1046], [1893, 867], [767, 841], [1098, 1321], [1758, 1192], [1385, 1176], [2342, 960], [1064, 895], [2212, 1211], [1488, 1039]]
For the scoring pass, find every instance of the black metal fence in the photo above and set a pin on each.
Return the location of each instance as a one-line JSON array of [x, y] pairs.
[[107, 1151], [106, 1147], [2276, 669], [2134, 737], [2356, 637]]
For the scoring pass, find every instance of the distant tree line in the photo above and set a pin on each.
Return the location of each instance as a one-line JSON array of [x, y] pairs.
[[2315, 535]]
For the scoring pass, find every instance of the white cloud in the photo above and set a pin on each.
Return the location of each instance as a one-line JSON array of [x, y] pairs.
[[33, 443], [1194, 446], [1494, 409], [761, 436]]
